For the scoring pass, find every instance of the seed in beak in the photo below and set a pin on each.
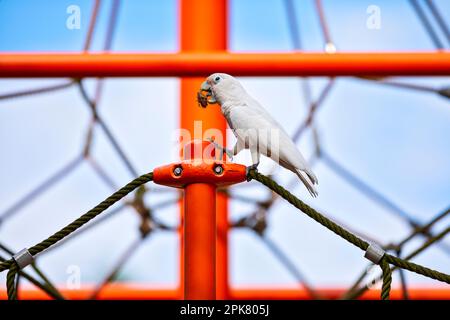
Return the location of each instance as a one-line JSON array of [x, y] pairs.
[[177, 171], [202, 100]]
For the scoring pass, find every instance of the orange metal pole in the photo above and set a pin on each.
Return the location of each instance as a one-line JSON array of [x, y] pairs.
[[203, 28], [200, 241], [200, 60], [199, 174]]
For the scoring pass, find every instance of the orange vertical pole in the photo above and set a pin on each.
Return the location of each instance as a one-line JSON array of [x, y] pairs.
[[203, 28], [200, 241]]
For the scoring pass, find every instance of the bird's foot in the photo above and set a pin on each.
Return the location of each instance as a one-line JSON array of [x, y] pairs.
[[222, 149], [253, 167]]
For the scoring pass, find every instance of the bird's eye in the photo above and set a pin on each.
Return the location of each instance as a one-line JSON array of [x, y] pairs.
[[217, 79]]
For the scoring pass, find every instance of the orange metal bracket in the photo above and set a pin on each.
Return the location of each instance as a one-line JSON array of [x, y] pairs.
[[199, 175]]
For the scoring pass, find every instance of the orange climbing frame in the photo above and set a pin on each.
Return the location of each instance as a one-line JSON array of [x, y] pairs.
[[203, 44]]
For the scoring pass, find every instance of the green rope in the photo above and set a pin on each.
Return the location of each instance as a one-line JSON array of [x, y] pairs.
[[355, 292], [47, 286], [312, 213], [387, 279], [350, 237], [417, 268], [43, 286], [64, 232], [11, 282]]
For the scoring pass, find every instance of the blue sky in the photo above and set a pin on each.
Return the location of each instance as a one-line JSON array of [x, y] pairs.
[[394, 139]]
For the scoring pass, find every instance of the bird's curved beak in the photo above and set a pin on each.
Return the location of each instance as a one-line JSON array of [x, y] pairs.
[[205, 86]]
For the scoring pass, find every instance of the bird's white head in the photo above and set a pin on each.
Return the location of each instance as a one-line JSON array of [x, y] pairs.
[[220, 88]]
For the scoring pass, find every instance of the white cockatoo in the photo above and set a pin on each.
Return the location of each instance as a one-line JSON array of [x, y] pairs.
[[254, 127]]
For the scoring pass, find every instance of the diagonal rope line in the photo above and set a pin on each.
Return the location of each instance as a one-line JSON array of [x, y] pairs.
[[91, 213], [366, 189], [356, 292], [106, 47], [12, 274], [31, 92], [112, 213], [38, 271], [70, 228], [400, 245], [123, 259], [85, 218], [343, 233], [289, 265], [426, 24], [92, 23], [439, 19], [101, 173], [376, 196], [313, 109], [306, 87], [113, 17], [103, 218], [257, 222], [48, 290], [41, 188], [443, 92], [108, 132], [293, 24], [271, 184], [323, 21], [425, 227], [393, 83]]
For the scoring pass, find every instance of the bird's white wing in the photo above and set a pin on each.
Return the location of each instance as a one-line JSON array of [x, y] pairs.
[[271, 136]]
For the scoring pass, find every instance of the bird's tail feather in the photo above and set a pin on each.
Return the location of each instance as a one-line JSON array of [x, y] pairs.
[[308, 180], [311, 176]]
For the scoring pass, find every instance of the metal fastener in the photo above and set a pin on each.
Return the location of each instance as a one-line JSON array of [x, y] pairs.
[[218, 169], [23, 258], [177, 171], [374, 253]]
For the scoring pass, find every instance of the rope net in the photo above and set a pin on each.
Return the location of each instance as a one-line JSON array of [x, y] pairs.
[[258, 220]]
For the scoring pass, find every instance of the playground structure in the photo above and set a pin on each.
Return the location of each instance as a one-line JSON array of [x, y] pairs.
[[205, 211]]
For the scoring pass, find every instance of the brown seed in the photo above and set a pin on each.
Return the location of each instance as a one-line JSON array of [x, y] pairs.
[[202, 100]]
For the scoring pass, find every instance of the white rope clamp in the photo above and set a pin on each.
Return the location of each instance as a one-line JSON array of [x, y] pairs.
[[23, 258], [374, 253]]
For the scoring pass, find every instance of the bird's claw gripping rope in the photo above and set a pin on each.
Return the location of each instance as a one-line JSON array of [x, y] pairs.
[[249, 172]]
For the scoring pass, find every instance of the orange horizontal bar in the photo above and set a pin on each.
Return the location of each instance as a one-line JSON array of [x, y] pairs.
[[415, 293], [113, 291], [127, 291], [239, 64]]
